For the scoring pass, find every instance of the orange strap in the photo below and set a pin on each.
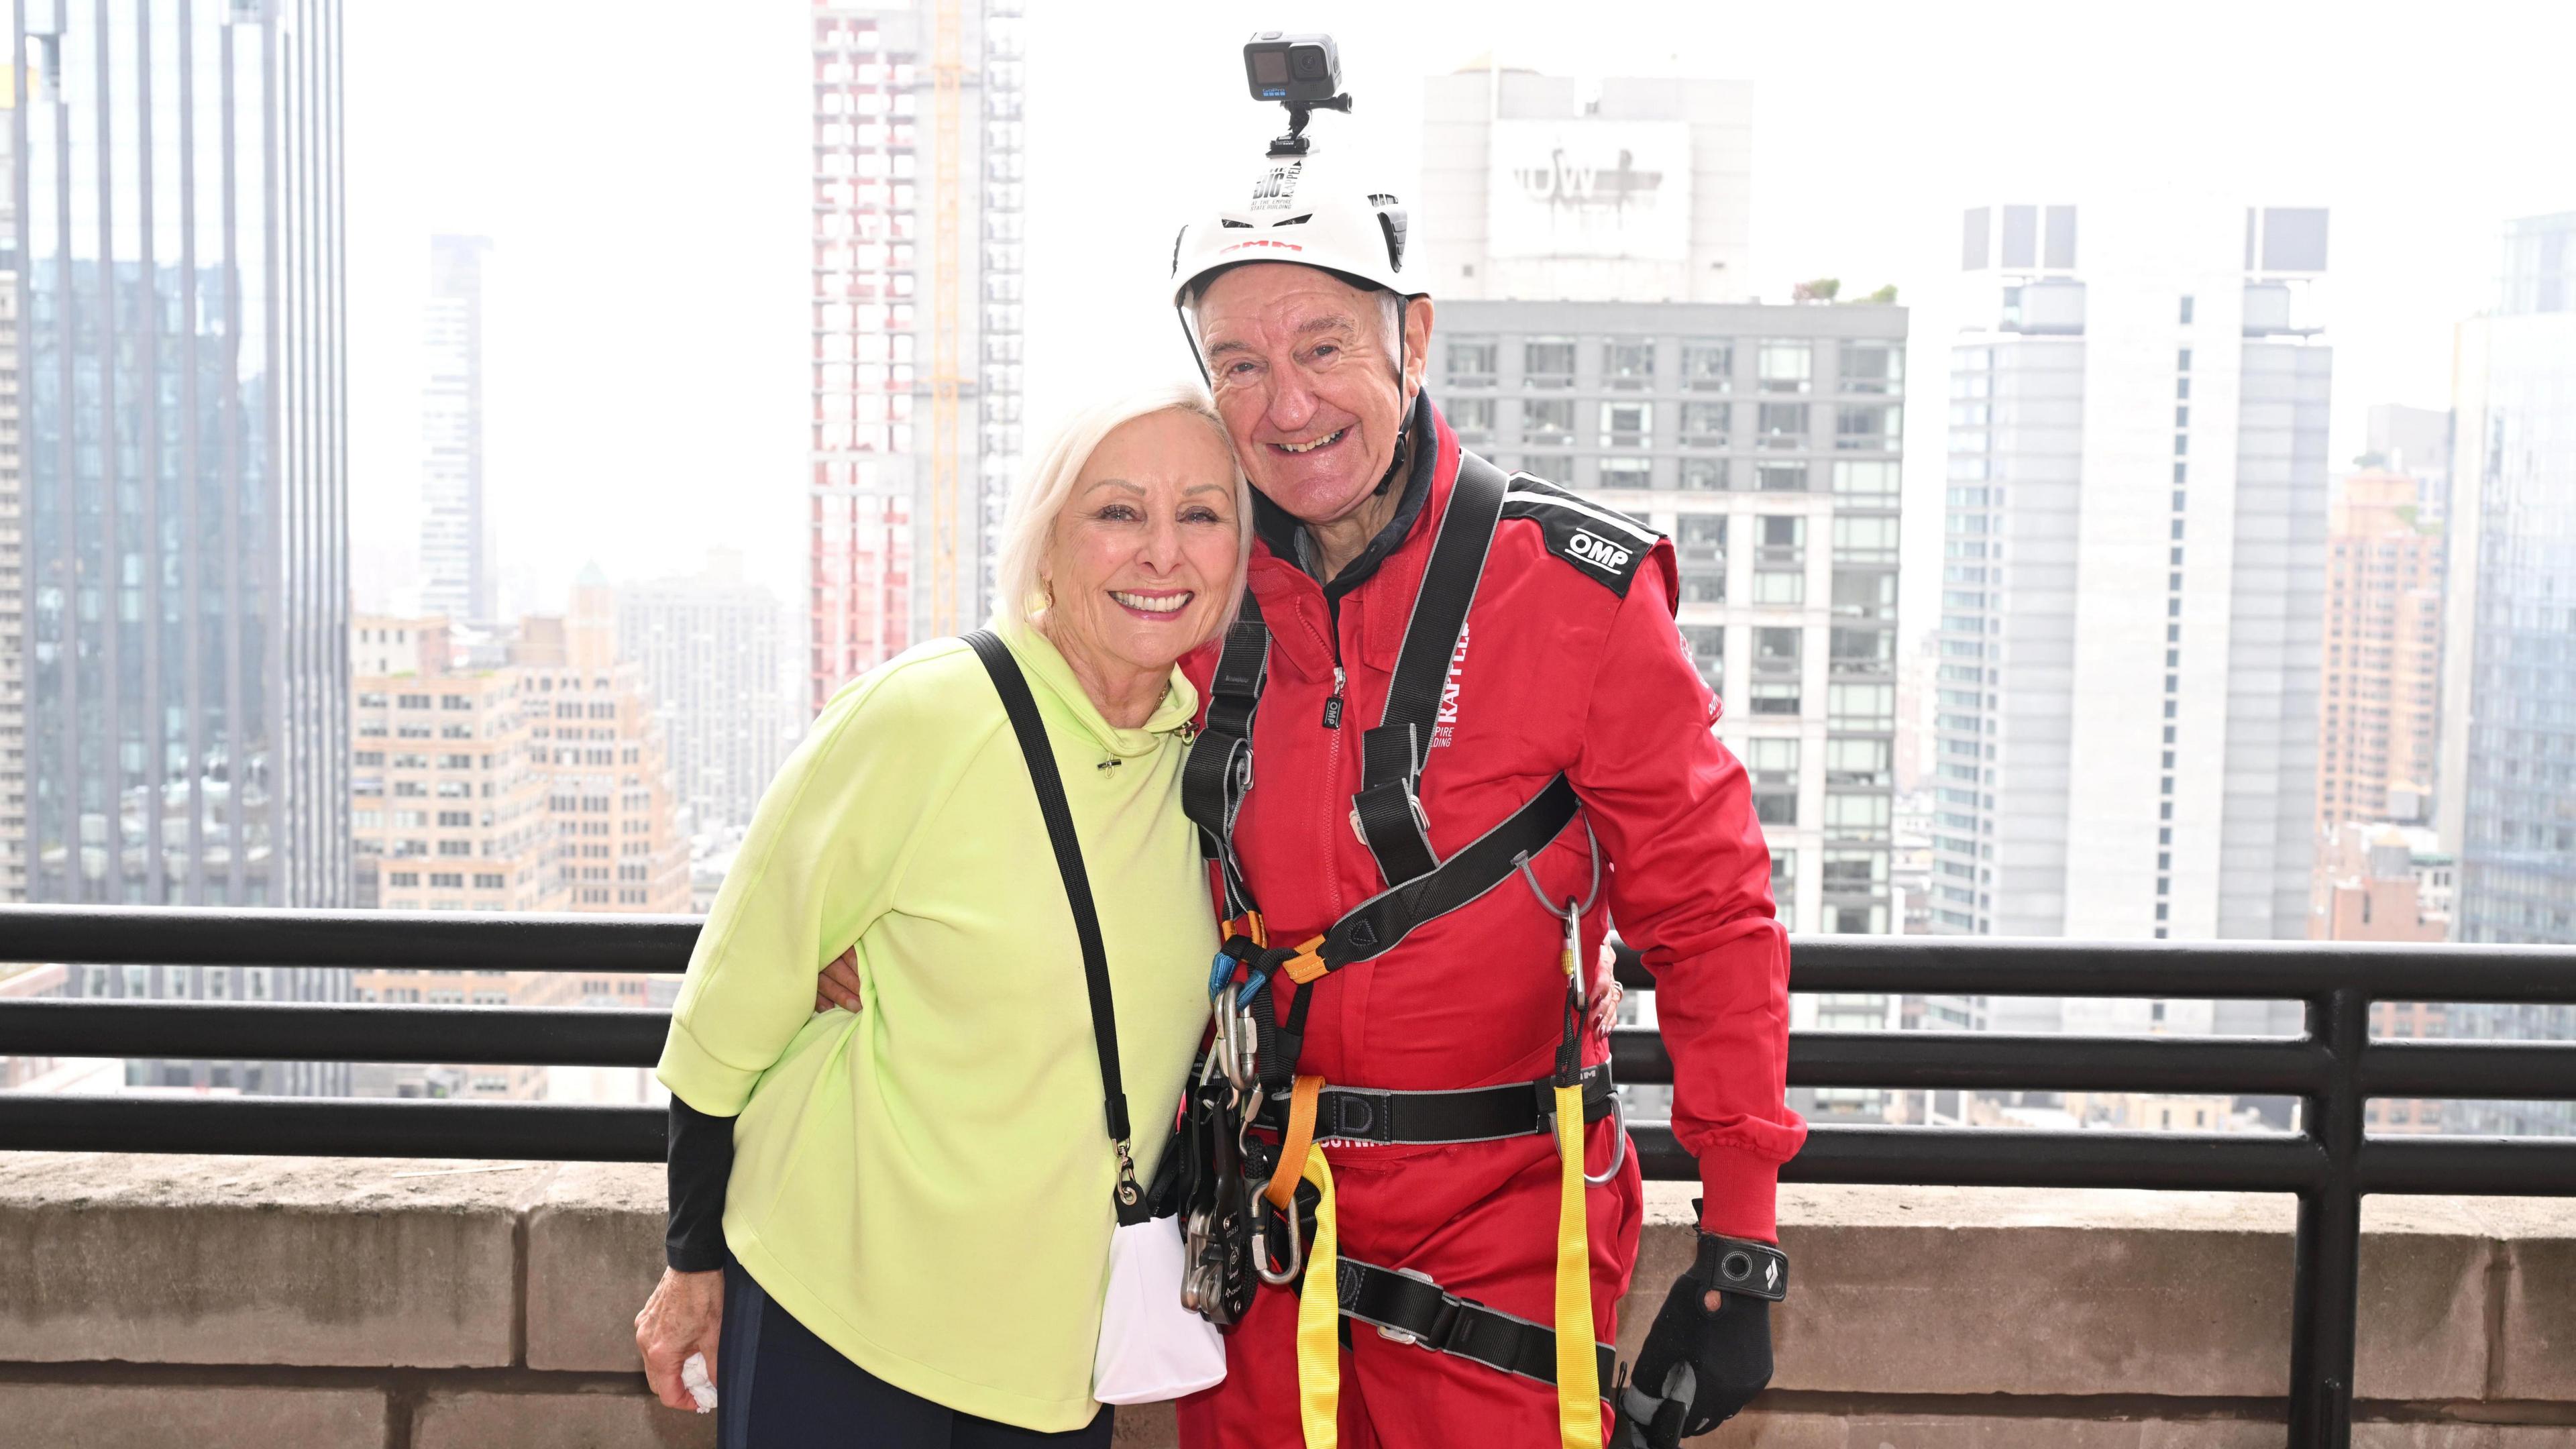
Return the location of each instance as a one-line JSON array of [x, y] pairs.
[[1293, 1146], [1305, 966]]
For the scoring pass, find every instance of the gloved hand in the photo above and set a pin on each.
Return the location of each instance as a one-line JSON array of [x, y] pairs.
[[1706, 1356]]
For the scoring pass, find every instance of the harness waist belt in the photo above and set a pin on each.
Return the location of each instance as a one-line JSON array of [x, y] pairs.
[[1410, 1308], [1479, 1114]]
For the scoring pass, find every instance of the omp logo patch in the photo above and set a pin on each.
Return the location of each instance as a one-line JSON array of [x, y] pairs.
[[1599, 552]]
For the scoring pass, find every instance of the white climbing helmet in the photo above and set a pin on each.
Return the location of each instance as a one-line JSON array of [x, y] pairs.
[[1299, 209]]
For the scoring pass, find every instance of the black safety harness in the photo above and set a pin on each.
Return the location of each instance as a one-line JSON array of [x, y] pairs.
[[1261, 1051]]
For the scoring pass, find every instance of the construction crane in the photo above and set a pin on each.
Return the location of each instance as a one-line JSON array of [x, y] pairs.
[[947, 77]]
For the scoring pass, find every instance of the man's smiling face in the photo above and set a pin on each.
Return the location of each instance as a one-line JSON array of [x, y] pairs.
[[1304, 373]]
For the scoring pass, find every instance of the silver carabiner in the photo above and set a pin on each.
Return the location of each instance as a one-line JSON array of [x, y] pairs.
[[1296, 1250], [1618, 1156]]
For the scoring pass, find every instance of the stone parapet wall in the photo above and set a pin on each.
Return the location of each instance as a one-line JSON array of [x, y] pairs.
[[389, 1304]]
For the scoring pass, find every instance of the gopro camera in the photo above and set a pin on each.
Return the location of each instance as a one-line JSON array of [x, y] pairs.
[[1297, 70]]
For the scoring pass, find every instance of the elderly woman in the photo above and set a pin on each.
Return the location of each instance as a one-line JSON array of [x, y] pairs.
[[898, 1222]]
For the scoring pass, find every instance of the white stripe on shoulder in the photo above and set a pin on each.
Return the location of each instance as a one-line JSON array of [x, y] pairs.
[[1533, 496]]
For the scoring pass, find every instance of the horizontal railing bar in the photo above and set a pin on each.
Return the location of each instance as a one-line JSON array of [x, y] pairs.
[[334, 1032], [266, 1031], [332, 1127], [1924, 1156], [357, 940], [1947, 1060], [2525, 1070], [2001, 1157], [2239, 970], [2491, 1166], [1878, 965]]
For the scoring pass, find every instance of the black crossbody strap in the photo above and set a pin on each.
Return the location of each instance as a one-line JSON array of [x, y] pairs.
[[1388, 806], [1022, 707]]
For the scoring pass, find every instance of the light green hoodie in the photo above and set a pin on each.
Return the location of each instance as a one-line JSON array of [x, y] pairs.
[[926, 1185]]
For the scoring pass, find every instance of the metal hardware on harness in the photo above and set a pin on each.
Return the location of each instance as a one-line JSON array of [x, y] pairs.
[[1618, 1136], [1398, 1335], [1261, 1248]]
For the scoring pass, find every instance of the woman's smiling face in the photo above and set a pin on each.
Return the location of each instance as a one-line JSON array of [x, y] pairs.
[[1141, 563]]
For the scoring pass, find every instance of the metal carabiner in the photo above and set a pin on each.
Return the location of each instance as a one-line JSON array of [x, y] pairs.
[[1618, 1156], [1261, 1248]]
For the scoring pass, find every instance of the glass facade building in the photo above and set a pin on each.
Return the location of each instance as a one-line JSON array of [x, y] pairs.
[[179, 252], [2507, 776]]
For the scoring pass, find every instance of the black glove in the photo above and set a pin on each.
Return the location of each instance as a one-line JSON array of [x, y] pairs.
[[1698, 1367]]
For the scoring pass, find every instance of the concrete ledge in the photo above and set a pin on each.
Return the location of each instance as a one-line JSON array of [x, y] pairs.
[[146, 1300], [127, 1416], [594, 1254], [260, 1260], [477, 1420]]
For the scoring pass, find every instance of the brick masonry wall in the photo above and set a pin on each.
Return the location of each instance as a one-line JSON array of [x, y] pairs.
[[389, 1304]]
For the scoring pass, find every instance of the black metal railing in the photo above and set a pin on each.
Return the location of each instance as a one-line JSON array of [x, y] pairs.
[[2334, 1068]]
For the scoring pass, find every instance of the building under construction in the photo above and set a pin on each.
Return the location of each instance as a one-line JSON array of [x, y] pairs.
[[915, 325]]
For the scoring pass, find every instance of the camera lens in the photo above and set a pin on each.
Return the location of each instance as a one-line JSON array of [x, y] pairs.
[[1308, 61]]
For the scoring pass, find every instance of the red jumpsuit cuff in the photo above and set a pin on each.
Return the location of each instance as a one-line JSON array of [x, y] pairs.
[[1739, 1194]]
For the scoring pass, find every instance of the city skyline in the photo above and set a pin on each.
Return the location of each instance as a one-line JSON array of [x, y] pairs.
[[1867, 190]]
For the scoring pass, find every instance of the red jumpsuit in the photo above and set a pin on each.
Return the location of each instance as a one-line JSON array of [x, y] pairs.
[[1560, 670]]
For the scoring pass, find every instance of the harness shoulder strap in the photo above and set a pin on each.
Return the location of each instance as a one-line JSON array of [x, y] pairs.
[[1388, 807], [1218, 773]]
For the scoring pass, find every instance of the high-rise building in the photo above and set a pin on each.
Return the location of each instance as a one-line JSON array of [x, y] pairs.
[[1544, 188], [2133, 576], [710, 648], [2417, 443], [448, 803], [13, 565], [916, 323], [457, 579], [2506, 783], [1587, 245], [2381, 674], [620, 836], [2507, 786], [185, 493], [1763, 440]]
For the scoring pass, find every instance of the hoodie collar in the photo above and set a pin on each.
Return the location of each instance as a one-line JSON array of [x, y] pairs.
[[1050, 674], [1287, 539]]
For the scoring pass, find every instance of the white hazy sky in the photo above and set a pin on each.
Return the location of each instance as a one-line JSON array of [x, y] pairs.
[[641, 168]]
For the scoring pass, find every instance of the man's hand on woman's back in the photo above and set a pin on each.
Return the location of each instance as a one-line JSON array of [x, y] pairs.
[[839, 984]]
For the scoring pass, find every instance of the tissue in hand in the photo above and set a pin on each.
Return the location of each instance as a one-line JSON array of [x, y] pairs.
[[693, 1377]]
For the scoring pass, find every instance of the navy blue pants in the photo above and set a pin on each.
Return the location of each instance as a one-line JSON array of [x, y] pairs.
[[780, 1387]]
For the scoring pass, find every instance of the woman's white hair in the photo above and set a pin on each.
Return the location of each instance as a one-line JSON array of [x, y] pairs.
[[1028, 530]]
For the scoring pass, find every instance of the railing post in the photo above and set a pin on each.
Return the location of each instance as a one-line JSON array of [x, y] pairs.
[[2325, 1286]]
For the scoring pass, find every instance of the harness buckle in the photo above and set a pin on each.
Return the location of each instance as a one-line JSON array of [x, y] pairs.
[[1442, 1322]]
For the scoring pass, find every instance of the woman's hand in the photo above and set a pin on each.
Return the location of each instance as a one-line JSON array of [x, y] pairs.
[[681, 1318], [839, 985]]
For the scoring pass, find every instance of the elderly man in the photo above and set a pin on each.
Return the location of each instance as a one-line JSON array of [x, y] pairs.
[[1441, 675]]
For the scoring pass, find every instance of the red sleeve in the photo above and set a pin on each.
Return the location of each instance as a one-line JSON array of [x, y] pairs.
[[1690, 887]]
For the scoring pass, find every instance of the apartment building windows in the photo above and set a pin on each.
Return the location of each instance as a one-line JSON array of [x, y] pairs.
[[1781, 425], [1549, 420], [1472, 362], [1628, 363], [1547, 362], [1787, 366], [1708, 366]]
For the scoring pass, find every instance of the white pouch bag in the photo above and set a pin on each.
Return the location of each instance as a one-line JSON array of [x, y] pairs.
[[1151, 1348]]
